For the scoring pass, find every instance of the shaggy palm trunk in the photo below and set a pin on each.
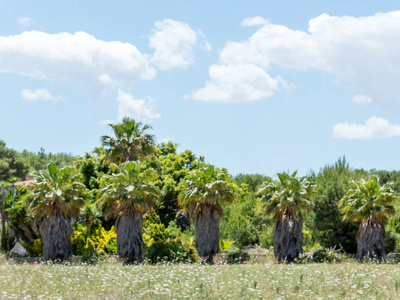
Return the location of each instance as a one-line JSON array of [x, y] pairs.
[[371, 239], [56, 233], [207, 231], [129, 235], [288, 236]]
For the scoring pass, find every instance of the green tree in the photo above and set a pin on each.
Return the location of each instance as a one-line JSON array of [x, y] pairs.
[[285, 200], [242, 223], [55, 198], [333, 182], [130, 142], [253, 181], [11, 164], [127, 194], [370, 204], [202, 194]]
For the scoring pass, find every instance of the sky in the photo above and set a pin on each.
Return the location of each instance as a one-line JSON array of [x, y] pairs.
[[253, 86]]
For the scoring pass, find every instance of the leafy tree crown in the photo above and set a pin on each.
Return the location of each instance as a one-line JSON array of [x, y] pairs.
[[368, 199], [129, 187], [290, 193], [57, 191], [206, 186], [130, 141]]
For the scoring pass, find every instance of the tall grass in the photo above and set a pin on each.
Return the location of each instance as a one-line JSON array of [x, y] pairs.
[[196, 281]]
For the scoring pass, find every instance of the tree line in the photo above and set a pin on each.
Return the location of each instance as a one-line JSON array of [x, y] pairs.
[[164, 202]]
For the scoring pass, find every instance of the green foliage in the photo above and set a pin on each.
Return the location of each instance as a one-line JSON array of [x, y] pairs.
[[172, 167], [12, 164], [167, 206], [333, 182], [289, 193], [129, 186], [242, 223], [39, 160], [34, 249], [388, 176], [252, 181], [267, 236], [224, 246], [182, 220], [102, 241], [368, 199], [57, 191], [166, 244], [130, 142], [208, 186]]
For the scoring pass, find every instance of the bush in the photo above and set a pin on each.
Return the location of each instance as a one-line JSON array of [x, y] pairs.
[[101, 240], [237, 256], [166, 244], [242, 223], [391, 241], [35, 249], [267, 237]]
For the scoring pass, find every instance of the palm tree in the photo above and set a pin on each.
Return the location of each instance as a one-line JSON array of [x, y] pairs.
[[285, 200], [130, 142], [370, 204], [55, 198], [127, 194], [202, 194]]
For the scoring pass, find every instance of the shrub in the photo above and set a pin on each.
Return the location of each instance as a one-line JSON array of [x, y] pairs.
[[35, 249], [101, 240], [166, 244]]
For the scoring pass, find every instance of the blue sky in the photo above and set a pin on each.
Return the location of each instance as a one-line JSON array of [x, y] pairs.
[[254, 86]]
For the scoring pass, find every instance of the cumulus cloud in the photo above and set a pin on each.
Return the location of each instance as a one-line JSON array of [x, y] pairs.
[[139, 109], [64, 56], [173, 42], [39, 94], [362, 99], [25, 21], [254, 21], [236, 83], [373, 128], [361, 51]]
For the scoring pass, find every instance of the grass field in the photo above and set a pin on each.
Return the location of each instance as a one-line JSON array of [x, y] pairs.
[[196, 281]]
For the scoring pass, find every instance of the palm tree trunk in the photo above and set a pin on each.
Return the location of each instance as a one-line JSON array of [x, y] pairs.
[[129, 235], [371, 240], [56, 234], [288, 236], [207, 231]]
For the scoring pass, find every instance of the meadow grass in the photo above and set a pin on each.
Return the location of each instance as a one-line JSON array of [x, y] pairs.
[[196, 281]]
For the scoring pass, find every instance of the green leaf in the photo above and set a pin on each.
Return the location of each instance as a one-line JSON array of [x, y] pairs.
[[52, 169], [282, 177], [209, 171], [131, 166]]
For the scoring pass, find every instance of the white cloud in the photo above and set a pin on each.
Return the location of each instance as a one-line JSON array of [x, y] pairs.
[[373, 128], [236, 83], [64, 56], [139, 109], [173, 42], [25, 21], [362, 99], [40, 94], [254, 21], [363, 51]]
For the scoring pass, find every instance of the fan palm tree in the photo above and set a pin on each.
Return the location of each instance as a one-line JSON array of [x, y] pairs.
[[55, 198], [370, 204], [130, 142], [202, 194], [285, 200], [127, 194]]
